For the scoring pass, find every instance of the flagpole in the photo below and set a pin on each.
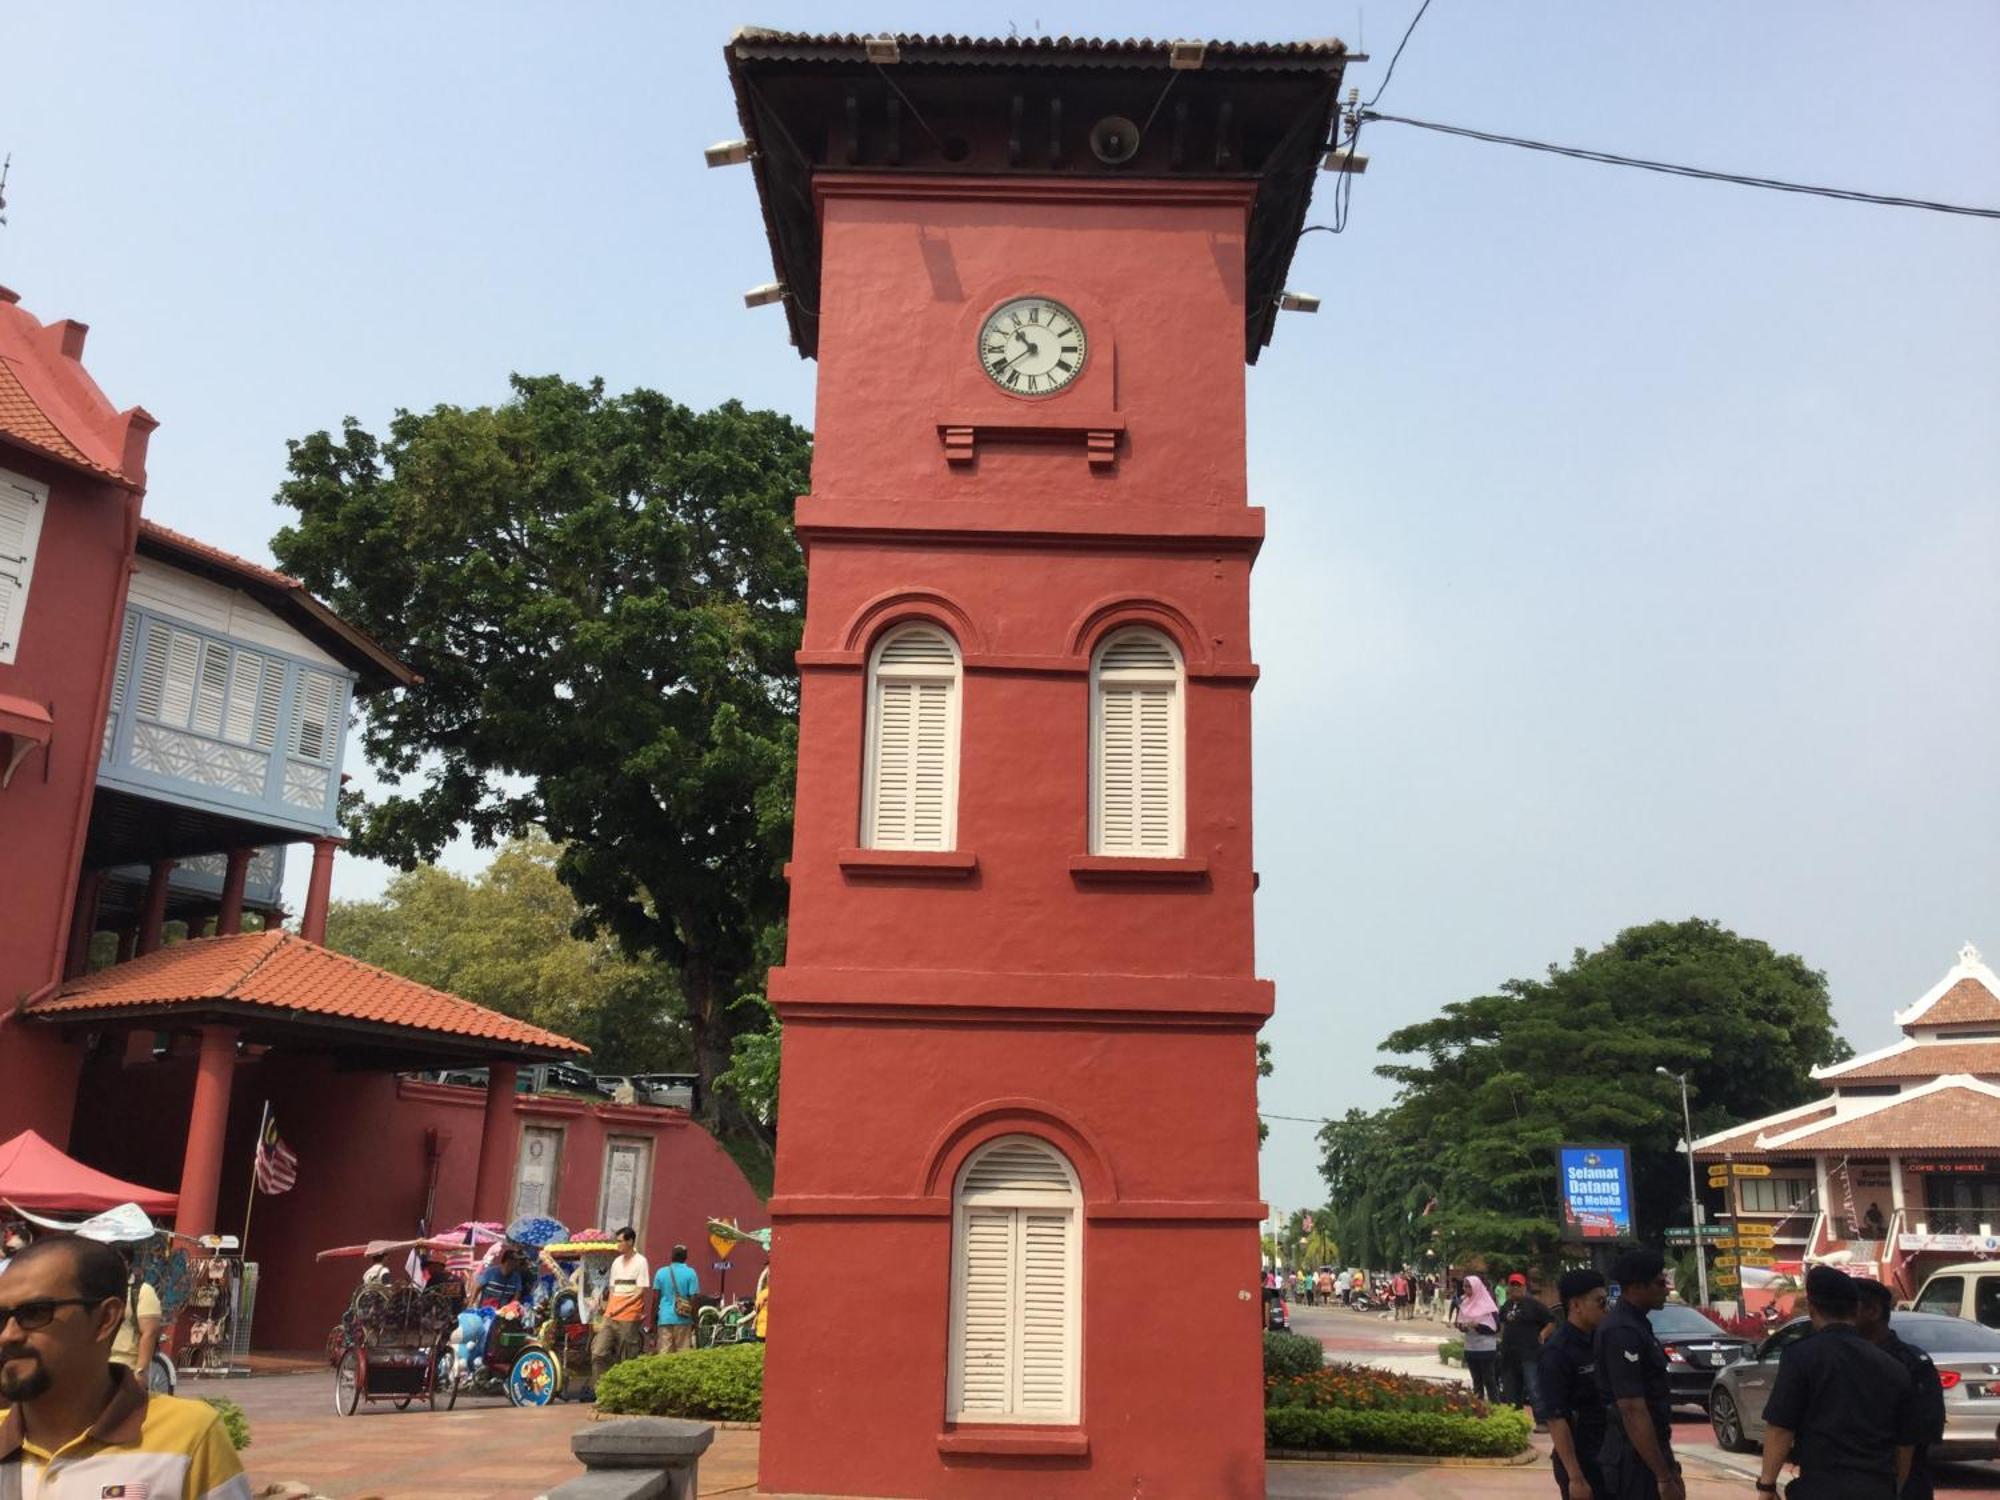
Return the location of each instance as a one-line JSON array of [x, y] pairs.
[[263, 1120]]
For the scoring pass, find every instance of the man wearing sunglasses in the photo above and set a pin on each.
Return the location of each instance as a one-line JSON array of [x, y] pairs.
[[74, 1426]]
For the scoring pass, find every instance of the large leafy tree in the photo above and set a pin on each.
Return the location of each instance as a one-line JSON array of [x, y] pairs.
[[506, 939], [602, 595], [1498, 1082]]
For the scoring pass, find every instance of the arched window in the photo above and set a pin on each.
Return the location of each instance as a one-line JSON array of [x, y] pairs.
[[911, 795], [1016, 1285], [1136, 778]]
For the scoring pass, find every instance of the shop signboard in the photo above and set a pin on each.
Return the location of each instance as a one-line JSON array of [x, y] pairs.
[[1596, 1184], [1962, 1244]]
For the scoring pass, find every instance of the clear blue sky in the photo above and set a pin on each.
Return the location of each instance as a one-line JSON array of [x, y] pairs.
[[1632, 540]]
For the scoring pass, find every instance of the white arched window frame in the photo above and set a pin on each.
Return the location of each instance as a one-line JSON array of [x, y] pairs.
[[1138, 740], [910, 783], [1016, 1286]]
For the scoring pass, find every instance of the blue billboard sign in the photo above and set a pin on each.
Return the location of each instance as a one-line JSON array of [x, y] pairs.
[[1596, 1186]]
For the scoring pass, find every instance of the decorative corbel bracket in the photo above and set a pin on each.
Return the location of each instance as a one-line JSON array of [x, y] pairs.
[[1099, 433]]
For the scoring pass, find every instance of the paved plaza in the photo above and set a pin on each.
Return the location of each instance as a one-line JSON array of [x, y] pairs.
[[487, 1450]]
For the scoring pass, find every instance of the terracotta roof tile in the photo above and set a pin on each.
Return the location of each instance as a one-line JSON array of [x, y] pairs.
[[24, 421], [1746, 1138], [270, 577], [1968, 1000], [1954, 1116], [1927, 1060], [284, 972]]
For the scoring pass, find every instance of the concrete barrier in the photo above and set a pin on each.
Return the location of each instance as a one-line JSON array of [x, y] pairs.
[[637, 1458]]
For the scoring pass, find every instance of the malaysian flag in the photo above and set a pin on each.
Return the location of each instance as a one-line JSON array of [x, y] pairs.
[[277, 1165]]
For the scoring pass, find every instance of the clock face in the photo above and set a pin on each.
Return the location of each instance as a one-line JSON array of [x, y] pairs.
[[1032, 346]]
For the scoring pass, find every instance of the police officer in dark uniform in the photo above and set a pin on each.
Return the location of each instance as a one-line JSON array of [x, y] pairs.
[[1566, 1395], [1841, 1409], [1872, 1319], [1638, 1454]]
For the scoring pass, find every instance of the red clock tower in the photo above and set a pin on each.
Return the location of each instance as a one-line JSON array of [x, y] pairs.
[[1017, 1198]]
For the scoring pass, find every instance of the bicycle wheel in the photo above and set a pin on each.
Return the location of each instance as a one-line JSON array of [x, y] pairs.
[[534, 1378], [347, 1382], [446, 1378]]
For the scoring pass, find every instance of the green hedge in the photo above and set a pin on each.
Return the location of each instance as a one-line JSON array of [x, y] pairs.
[[1500, 1434], [233, 1421], [1452, 1351], [714, 1385], [1291, 1354]]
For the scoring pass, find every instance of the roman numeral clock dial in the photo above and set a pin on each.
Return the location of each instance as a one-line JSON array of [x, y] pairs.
[[1032, 346]]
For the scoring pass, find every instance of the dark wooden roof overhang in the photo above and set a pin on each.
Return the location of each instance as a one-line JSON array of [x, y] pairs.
[[812, 104]]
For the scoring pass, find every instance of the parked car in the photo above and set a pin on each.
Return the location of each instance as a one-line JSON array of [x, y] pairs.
[[1967, 1355], [1696, 1347], [670, 1090], [537, 1078], [1970, 1289]]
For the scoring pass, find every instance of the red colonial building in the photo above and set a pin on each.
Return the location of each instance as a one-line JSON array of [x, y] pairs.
[[173, 719], [1020, 994], [1897, 1170]]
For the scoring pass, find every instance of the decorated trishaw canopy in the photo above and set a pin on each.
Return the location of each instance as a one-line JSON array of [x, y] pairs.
[[436, 1244]]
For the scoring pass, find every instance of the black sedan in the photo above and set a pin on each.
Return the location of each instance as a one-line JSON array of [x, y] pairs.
[[1696, 1347]]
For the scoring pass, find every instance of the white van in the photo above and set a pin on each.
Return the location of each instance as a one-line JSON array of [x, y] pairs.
[[1970, 1289]]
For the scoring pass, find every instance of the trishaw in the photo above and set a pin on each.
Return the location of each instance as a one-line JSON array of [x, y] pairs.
[[390, 1343], [496, 1351], [578, 1266]]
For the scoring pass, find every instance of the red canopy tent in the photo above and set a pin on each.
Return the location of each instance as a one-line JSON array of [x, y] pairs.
[[33, 1174]]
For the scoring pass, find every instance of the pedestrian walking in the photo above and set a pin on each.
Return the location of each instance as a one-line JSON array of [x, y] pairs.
[[1638, 1453], [1479, 1322], [1872, 1318], [675, 1288], [1523, 1320], [622, 1326], [1842, 1409], [1399, 1296], [1566, 1397]]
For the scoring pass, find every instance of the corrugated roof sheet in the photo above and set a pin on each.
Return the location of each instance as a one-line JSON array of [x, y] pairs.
[[763, 37], [284, 972]]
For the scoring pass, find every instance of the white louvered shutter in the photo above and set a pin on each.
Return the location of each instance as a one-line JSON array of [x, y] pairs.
[[126, 643], [183, 655], [312, 717], [986, 1336], [23, 504], [211, 688], [913, 744], [245, 676], [1136, 759], [1017, 1314]]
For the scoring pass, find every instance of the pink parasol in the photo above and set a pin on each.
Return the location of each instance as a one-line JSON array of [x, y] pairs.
[[435, 1245]]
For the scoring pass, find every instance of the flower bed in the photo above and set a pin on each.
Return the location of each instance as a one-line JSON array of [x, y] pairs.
[[1352, 1408]]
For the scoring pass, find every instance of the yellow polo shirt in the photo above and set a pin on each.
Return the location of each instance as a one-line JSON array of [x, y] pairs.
[[140, 1448]]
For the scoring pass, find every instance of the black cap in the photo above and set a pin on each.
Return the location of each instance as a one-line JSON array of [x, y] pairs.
[[1637, 1266], [1574, 1284], [1831, 1290]]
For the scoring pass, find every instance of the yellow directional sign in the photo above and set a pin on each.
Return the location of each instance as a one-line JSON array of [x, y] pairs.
[[1757, 1258], [1749, 1169], [1761, 1234], [1725, 1262], [1723, 1242], [1718, 1173], [1723, 1278]]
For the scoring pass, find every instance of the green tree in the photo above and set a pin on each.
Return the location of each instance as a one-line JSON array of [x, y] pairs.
[[602, 595], [505, 939], [1503, 1079]]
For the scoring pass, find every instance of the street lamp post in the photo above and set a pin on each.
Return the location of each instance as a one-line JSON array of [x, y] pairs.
[[1694, 1203]]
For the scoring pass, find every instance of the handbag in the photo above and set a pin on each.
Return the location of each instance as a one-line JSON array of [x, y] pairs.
[[683, 1306]]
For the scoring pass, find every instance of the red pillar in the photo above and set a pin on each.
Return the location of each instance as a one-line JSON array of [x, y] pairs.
[[496, 1145], [153, 916], [229, 921], [83, 923], [201, 1167], [312, 927]]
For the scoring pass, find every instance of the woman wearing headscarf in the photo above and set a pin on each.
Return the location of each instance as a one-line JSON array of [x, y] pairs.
[[1479, 1321]]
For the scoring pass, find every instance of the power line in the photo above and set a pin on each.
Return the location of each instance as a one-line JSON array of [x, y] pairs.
[[1672, 169], [1295, 1119], [1390, 71]]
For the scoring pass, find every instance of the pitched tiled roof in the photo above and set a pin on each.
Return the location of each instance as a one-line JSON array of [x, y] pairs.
[[1968, 1000], [1956, 1112], [1924, 1060], [766, 41], [49, 404], [1744, 1137], [281, 971], [257, 572]]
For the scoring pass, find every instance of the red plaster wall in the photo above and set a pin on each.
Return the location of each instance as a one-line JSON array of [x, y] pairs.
[[360, 1138], [1117, 1020], [64, 660]]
